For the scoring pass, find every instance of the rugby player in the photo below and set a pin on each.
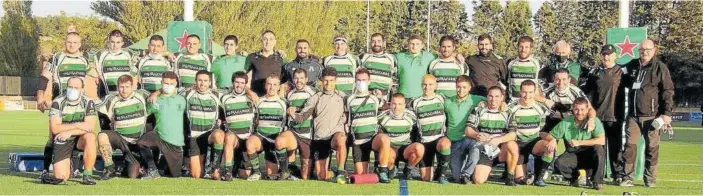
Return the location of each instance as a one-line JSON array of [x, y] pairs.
[[344, 63], [432, 129], [191, 62], [521, 68], [381, 66], [239, 111], [398, 124], [297, 97], [153, 65], [225, 65], [447, 67], [458, 108]]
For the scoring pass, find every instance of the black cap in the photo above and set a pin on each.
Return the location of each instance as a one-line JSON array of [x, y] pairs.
[[607, 49]]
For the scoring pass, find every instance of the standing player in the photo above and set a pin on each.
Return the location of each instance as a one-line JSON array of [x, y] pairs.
[[169, 110], [487, 69], [563, 95], [524, 67], [227, 64], [191, 62], [297, 97], [270, 138], [203, 119], [239, 112], [398, 124], [412, 65], [265, 62], [487, 123], [447, 67], [153, 65], [327, 107], [114, 62], [303, 60], [72, 120], [431, 129], [127, 114], [344, 63], [381, 66], [362, 109]]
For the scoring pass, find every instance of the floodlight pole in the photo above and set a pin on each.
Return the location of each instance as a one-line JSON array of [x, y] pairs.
[[188, 10], [624, 14]]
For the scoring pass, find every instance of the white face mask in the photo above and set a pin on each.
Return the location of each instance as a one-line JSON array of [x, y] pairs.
[[362, 87], [168, 88], [73, 94]]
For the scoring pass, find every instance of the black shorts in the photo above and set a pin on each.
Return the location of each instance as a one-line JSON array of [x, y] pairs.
[[525, 150], [362, 153], [399, 152], [198, 145], [118, 142], [323, 148], [64, 150], [172, 153], [430, 153], [303, 147], [549, 124], [269, 148]]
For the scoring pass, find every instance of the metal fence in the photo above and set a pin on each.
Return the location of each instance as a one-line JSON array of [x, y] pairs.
[[18, 86]]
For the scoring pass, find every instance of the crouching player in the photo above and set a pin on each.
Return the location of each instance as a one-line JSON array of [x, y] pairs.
[[486, 124], [431, 130], [72, 121], [398, 124], [239, 112], [584, 149]]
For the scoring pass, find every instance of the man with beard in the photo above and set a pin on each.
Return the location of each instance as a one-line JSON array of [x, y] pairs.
[[305, 61], [382, 67], [447, 67], [487, 69], [523, 67], [239, 111]]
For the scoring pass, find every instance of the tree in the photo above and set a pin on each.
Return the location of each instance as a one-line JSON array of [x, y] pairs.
[[93, 30], [594, 19], [141, 18], [487, 20], [19, 36], [683, 36], [516, 23], [546, 27]]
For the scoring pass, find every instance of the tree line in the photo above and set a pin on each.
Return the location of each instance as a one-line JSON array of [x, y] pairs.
[[675, 25]]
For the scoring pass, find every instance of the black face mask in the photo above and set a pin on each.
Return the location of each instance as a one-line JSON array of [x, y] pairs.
[[561, 59]]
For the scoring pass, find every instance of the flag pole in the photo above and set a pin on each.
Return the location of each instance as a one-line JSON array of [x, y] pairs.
[[429, 20], [188, 10], [624, 14], [368, 12]]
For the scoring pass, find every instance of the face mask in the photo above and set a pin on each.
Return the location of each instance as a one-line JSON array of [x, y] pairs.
[[73, 94], [361, 86], [168, 88], [561, 59]]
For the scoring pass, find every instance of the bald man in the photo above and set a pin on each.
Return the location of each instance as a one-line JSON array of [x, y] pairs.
[[651, 94], [560, 60]]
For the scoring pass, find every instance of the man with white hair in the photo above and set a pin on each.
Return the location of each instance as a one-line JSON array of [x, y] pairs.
[[560, 60]]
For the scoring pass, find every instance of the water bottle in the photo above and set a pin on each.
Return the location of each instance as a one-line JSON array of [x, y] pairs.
[[403, 187]]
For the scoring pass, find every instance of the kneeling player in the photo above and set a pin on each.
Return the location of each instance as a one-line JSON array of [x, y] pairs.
[[238, 106], [72, 120], [584, 149], [203, 105], [431, 130], [487, 123], [270, 120], [127, 114], [398, 123]]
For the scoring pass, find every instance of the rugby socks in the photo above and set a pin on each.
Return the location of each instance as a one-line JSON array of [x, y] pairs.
[[75, 161], [148, 156], [87, 173], [253, 162], [443, 161], [541, 166], [48, 157], [282, 156], [217, 156]]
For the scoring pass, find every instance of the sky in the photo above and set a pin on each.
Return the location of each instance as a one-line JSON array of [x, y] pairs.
[[82, 8]]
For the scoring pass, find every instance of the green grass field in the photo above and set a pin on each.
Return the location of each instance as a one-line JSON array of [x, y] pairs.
[[681, 168]]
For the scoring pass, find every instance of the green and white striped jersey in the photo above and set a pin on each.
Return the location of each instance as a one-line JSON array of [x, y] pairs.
[[202, 111], [188, 66], [362, 112], [383, 69], [271, 117], [527, 121], [112, 65], [297, 98], [63, 67], [72, 112], [446, 72], [346, 66], [563, 100], [484, 120], [431, 117], [521, 70], [239, 111], [151, 70], [398, 128], [128, 114]]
